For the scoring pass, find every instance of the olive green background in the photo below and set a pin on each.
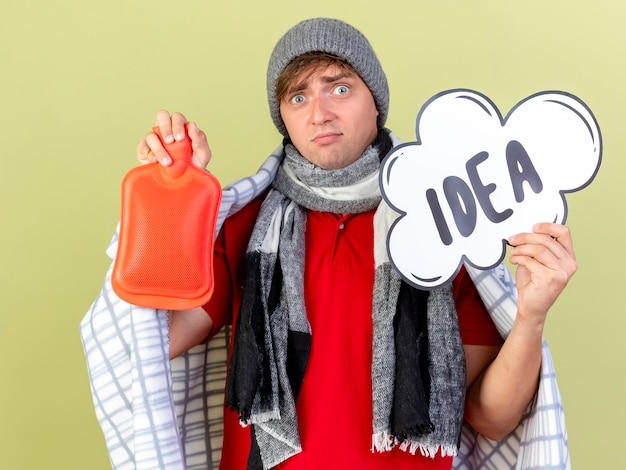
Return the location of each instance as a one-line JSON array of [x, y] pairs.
[[80, 83]]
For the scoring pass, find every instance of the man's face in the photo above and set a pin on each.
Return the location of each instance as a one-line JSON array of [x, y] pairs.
[[330, 116]]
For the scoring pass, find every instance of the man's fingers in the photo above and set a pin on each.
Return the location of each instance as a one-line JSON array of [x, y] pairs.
[[144, 154], [172, 128], [550, 245], [165, 123], [199, 146], [156, 148], [563, 236], [547, 234], [178, 126]]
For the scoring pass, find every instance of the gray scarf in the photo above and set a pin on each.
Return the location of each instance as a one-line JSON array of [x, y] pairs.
[[418, 365]]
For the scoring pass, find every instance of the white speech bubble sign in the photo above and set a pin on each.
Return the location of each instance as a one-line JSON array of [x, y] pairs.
[[473, 178]]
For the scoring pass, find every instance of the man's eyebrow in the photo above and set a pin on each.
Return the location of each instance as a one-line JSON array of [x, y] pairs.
[[340, 76], [303, 84]]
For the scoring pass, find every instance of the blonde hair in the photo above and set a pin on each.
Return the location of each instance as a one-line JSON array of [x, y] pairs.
[[303, 66]]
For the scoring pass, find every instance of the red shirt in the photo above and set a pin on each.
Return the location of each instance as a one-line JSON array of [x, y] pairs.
[[335, 402]]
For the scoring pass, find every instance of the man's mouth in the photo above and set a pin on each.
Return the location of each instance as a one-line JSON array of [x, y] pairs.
[[326, 138]]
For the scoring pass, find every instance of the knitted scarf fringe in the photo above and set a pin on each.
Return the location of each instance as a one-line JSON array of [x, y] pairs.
[[384, 441]]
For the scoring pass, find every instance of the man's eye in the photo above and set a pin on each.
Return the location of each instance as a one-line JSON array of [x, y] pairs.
[[341, 90], [297, 99]]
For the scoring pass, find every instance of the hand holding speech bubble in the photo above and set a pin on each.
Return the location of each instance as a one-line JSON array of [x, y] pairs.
[[473, 178]]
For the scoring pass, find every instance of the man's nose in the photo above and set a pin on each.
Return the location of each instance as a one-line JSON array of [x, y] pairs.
[[321, 110]]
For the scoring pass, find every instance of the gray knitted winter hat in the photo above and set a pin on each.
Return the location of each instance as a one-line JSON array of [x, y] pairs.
[[333, 37]]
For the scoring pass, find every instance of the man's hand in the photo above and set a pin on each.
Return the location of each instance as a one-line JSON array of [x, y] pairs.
[[498, 397], [172, 129], [545, 262]]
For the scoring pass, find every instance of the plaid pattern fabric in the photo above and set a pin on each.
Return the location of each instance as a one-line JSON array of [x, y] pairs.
[[161, 414], [157, 414], [540, 440]]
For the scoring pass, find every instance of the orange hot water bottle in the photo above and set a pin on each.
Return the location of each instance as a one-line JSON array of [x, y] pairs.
[[167, 229]]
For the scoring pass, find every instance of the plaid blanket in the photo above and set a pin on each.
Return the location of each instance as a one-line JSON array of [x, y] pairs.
[[162, 414]]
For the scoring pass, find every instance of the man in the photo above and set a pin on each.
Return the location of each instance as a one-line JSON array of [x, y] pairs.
[[318, 316]]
